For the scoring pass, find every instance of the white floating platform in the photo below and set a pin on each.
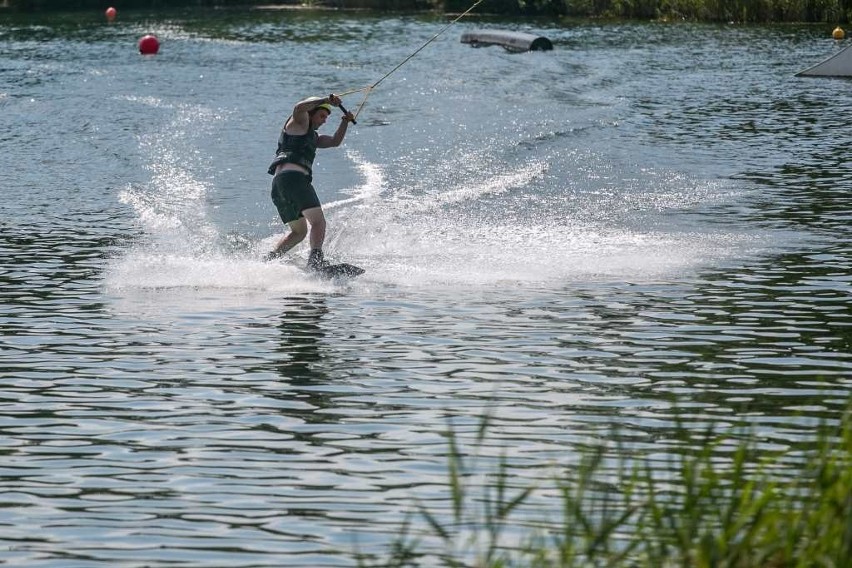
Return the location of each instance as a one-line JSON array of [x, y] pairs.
[[838, 65], [511, 41]]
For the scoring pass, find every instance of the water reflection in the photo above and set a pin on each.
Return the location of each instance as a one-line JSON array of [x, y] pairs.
[[300, 349], [301, 359]]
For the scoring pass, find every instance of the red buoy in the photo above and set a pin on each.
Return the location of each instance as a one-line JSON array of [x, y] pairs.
[[110, 14], [149, 45]]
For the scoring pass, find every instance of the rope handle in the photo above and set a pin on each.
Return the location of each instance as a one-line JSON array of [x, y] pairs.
[[343, 108]]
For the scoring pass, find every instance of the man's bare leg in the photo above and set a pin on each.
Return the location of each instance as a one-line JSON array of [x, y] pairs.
[[316, 219], [298, 232]]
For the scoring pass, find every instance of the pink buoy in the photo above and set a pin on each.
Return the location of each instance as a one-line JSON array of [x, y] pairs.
[[149, 45], [110, 14]]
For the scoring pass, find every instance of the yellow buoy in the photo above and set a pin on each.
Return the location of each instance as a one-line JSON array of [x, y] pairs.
[[838, 33]]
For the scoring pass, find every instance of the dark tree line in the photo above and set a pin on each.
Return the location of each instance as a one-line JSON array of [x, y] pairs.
[[828, 11]]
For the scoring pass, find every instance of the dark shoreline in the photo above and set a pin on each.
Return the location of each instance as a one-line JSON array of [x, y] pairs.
[[830, 13]]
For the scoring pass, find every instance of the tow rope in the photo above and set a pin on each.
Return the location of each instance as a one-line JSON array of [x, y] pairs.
[[369, 89]]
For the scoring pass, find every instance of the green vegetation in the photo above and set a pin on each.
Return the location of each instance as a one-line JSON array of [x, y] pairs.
[[827, 11], [726, 504]]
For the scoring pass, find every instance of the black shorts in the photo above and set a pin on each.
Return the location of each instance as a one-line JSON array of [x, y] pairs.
[[292, 193]]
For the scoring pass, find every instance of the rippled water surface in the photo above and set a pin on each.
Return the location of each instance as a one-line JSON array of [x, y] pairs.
[[649, 225]]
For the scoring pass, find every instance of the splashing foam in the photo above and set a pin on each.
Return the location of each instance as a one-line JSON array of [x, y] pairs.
[[168, 271], [499, 231], [458, 227]]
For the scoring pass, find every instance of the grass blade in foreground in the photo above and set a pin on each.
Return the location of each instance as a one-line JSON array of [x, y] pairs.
[[724, 506]]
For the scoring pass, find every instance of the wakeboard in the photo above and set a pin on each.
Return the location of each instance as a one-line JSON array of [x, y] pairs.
[[342, 270], [327, 271]]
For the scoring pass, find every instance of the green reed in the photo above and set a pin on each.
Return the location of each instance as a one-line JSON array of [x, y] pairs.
[[727, 504]]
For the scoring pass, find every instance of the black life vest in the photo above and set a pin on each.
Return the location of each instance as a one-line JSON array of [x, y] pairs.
[[300, 149]]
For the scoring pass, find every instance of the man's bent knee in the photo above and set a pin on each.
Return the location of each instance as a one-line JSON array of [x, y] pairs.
[[314, 216], [298, 229]]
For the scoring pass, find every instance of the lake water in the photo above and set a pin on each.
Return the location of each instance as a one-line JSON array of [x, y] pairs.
[[648, 225]]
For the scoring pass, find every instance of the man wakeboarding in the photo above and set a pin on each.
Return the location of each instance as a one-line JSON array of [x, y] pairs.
[[292, 190]]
